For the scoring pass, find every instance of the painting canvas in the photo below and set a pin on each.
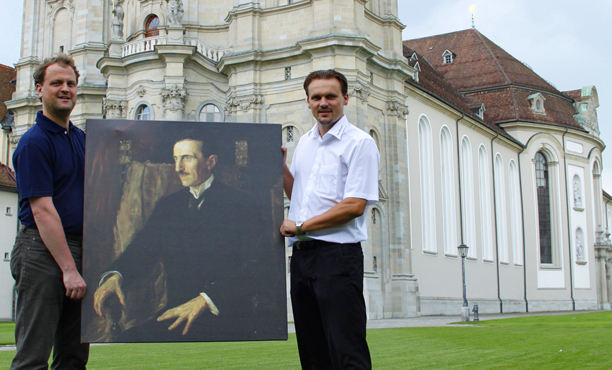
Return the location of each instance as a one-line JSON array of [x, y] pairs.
[[180, 239]]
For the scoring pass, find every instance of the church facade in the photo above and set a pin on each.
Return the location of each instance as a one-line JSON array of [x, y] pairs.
[[496, 159]]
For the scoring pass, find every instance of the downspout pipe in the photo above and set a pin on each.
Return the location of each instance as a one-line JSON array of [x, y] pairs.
[[501, 303], [459, 177], [569, 231], [520, 173]]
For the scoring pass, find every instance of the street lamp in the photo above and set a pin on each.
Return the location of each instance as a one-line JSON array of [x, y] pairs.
[[465, 310]]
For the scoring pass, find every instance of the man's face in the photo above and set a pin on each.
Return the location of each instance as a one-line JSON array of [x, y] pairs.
[[58, 91], [193, 169], [326, 101]]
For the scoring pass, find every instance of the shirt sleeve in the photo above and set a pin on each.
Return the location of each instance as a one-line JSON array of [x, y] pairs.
[[34, 171], [362, 177]]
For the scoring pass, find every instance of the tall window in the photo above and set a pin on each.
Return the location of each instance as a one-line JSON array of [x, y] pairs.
[[500, 200], [448, 192], [486, 226], [543, 187], [143, 113], [468, 213], [210, 113], [516, 226], [428, 201], [151, 26]]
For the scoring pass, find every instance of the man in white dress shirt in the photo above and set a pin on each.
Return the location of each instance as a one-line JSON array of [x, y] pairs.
[[333, 178]]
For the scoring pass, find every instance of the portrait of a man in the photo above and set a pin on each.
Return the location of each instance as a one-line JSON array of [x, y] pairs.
[[193, 255]]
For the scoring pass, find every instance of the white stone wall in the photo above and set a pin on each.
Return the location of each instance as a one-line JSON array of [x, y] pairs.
[[8, 231]]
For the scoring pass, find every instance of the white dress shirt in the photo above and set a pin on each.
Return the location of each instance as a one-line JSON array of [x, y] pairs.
[[341, 164]]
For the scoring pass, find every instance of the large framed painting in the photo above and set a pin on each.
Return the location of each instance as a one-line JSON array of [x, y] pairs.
[[180, 239]]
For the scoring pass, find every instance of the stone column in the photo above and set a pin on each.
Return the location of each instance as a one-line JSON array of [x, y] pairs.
[[603, 255]]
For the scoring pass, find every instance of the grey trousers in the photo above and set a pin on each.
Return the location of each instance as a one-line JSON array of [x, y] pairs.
[[45, 317]]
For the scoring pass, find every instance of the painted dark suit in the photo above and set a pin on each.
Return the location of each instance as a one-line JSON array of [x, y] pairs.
[[207, 250]]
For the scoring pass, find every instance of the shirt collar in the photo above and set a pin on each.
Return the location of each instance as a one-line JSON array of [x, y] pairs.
[[335, 131], [205, 185], [49, 125]]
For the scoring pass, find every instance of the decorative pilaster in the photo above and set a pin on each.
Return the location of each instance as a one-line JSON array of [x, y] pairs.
[[174, 100], [114, 109], [361, 92], [395, 108], [244, 103]]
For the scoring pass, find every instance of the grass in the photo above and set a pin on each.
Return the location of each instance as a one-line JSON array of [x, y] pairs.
[[575, 341]]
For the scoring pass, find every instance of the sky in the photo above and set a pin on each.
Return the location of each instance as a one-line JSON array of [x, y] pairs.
[[566, 42]]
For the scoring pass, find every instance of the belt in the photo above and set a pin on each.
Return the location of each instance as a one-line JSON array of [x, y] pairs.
[[313, 243], [30, 231]]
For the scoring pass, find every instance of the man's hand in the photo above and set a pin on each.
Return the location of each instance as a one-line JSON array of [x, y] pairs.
[[111, 286], [288, 228], [75, 285], [187, 311]]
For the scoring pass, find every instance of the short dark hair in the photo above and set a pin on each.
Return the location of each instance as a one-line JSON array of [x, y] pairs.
[[207, 146], [61, 59], [326, 75]]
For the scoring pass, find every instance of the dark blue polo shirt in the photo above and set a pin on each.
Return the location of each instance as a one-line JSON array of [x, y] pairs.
[[50, 162]]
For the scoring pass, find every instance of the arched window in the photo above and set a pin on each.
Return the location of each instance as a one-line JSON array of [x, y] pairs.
[[500, 201], [143, 113], [448, 192], [428, 200], [516, 226], [543, 187], [151, 26], [210, 113], [468, 213], [486, 226]]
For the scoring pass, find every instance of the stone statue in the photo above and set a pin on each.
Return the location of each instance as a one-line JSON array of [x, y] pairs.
[[175, 12], [579, 249], [577, 195], [117, 24]]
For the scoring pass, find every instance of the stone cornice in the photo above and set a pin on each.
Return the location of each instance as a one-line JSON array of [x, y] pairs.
[[246, 9]]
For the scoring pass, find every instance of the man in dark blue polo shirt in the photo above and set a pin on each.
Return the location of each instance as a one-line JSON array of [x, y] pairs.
[[46, 258]]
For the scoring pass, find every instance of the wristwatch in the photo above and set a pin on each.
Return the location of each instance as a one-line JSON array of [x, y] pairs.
[[298, 226]]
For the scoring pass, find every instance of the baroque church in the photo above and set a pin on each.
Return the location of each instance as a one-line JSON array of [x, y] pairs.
[[476, 148]]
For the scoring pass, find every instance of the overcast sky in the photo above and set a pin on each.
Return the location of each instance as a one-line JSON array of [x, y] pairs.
[[566, 42]]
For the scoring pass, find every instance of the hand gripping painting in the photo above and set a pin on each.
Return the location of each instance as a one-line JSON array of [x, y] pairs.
[[180, 239]]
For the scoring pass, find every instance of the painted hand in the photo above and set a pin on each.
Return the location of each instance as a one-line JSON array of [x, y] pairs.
[[187, 312], [111, 286]]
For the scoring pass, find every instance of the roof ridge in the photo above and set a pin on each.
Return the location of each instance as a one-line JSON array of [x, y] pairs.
[[500, 67], [7, 67]]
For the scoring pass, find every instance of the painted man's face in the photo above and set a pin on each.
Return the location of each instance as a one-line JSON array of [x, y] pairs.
[[193, 169]]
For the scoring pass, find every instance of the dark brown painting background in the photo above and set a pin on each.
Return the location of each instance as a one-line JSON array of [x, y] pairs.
[[249, 160]]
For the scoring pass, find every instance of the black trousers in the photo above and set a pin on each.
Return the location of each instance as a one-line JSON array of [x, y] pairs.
[[328, 305], [45, 317]]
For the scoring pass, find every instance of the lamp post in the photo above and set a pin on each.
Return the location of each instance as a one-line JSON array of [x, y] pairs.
[[465, 310]]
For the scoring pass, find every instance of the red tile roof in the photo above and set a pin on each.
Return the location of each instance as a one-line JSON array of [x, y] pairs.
[[7, 179], [485, 73]]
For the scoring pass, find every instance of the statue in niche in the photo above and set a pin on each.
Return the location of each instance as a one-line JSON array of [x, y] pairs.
[[175, 12], [117, 23], [577, 194], [579, 249]]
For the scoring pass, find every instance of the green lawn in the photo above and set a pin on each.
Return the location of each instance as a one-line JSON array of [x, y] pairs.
[[575, 341]]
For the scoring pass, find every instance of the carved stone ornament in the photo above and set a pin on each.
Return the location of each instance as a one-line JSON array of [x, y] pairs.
[[141, 91], [174, 98], [175, 12], [244, 103], [398, 109], [55, 5], [114, 109], [361, 92]]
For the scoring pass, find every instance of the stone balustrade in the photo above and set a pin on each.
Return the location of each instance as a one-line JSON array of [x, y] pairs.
[[148, 44]]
